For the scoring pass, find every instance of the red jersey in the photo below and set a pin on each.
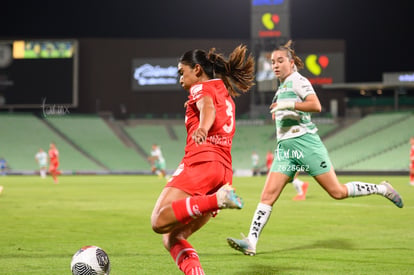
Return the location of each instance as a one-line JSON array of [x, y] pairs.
[[217, 146], [412, 156], [54, 155]]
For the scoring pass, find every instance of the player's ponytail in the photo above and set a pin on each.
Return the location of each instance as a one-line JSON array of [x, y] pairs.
[[237, 72]]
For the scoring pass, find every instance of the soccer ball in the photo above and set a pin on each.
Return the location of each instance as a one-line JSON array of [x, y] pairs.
[[90, 260]]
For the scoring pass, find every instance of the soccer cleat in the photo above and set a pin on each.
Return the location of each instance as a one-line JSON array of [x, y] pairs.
[[227, 198], [392, 194], [299, 197], [242, 245], [304, 190]]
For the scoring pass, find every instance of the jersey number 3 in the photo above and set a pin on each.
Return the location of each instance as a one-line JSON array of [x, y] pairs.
[[229, 111]]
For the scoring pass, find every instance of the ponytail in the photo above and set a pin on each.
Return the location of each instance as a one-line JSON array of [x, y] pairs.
[[237, 72]]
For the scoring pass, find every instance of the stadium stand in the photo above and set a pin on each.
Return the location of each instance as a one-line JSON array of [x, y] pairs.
[[366, 144], [326, 129], [377, 142], [22, 136], [395, 159], [167, 134], [364, 127], [92, 135], [249, 138]]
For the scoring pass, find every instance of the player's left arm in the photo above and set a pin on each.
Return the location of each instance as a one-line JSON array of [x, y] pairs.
[[207, 116], [310, 101], [310, 104]]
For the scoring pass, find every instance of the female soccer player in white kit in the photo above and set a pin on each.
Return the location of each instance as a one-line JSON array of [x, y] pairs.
[[299, 148]]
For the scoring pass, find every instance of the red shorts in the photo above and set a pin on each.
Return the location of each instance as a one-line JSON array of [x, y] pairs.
[[53, 166], [201, 178]]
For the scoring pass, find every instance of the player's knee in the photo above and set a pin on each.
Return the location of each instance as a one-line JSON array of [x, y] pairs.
[[159, 226], [157, 229], [268, 198], [338, 194]]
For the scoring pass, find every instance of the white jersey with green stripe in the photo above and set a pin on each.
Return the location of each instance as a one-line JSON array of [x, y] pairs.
[[293, 123]]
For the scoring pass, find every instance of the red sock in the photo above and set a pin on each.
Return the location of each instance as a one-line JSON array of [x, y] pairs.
[[54, 176], [411, 177], [186, 258], [193, 207]]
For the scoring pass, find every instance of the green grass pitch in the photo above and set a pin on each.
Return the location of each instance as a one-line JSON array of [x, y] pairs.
[[43, 224]]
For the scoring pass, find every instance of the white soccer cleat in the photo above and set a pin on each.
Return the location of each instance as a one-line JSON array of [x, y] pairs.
[[242, 245], [392, 194], [227, 198]]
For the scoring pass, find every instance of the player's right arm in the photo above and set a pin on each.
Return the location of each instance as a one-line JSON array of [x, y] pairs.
[[207, 116]]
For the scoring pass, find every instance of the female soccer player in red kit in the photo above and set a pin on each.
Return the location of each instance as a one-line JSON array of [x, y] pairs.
[[201, 185], [54, 162]]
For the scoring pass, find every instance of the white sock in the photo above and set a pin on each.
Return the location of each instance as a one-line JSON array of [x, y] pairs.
[[43, 173], [358, 188], [297, 183], [260, 218]]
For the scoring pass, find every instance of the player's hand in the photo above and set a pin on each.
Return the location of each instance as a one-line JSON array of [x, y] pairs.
[[200, 136], [284, 105]]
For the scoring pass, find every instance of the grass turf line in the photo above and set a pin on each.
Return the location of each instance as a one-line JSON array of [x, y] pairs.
[[44, 224]]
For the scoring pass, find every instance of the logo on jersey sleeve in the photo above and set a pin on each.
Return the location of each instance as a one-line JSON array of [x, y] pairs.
[[195, 91]]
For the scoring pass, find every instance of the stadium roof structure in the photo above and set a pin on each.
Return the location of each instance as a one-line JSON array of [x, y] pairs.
[[391, 81], [357, 86], [399, 82]]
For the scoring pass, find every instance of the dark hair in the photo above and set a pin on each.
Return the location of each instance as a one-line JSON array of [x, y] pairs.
[[237, 72], [291, 54]]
